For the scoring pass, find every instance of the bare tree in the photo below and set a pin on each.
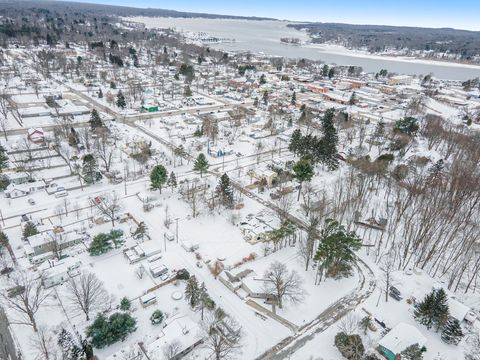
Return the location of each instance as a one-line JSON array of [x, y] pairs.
[[387, 266], [25, 298], [283, 285], [110, 206], [172, 349], [45, 345], [104, 151], [87, 293], [222, 335]]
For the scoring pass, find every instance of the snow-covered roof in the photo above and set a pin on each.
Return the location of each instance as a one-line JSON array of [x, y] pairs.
[[402, 336], [180, 328], [457, 309]]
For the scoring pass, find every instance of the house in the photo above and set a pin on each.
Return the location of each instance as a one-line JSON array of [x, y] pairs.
[[178, 328], [142, 251], [398, 339], [50, 241], [263, 175], [61, 272], [36, 135], [460, 311], [17, 178], [15, 191]]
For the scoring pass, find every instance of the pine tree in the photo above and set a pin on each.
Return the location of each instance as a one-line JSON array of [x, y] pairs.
[[452, 332], [70, 350], [295, 141], [125, 304], [224, 190], [303, 171], [158, 178], [433, 309], [336, 251], [330, 140], [172, 180], [121, 103], [201, 164], [413, 352], [204, 299], [441, 312], [3, 240], [353, 99], [3, 159], [263, 79], [29, 229], [293, 101], [90, 169], [100, 93], [192, 292], [95, 120]]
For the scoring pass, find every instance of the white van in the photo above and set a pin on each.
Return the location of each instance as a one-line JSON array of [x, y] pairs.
[[61, 192]]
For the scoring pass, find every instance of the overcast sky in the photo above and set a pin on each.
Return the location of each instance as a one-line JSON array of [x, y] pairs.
[[460, 14]]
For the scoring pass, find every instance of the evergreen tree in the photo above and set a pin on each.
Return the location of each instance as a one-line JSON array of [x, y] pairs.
[[140, 231], [100, 93], [303, 171], [68, 346], [204, 299], [441, 311], [156, 317], [263, 79], [188, 91], [325, 70], [330, 140], [158, 178], [90, 169], [224, 191], [413, 352], [353, 99], [295, 141], [408, 125], [433, 309], [172, 180], [255, 102], [336, 251], [192, 292], [121, 102], [95, 120], [29, 229], [293, 101], [106, 331], [265, 97], [100, 244], [3, 240], [331, 73], [125, 304], [452, 332], [3, 159], [201, 164]]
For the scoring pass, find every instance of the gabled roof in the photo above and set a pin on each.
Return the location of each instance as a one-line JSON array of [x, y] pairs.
[[402, 336]]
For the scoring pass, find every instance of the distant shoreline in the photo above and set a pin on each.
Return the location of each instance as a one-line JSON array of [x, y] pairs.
[[341, 50]]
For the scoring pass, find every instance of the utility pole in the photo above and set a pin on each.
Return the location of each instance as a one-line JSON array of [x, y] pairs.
[[176, 220]]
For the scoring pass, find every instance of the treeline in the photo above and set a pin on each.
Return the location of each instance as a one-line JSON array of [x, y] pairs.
[[378, 38]]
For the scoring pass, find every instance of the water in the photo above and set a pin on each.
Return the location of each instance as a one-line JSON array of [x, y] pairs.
[[264, 37]]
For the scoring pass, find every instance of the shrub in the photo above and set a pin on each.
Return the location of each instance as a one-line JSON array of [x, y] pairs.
[[106, 331], [156, 318]]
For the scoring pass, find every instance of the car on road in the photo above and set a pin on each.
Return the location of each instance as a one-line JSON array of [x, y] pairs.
[[31, 201]]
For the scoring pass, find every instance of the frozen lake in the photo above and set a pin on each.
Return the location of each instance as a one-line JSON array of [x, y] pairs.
[[264, 36]]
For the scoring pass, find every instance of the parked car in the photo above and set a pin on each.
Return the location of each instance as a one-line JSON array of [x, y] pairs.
[[395, 293], [61, 192], [31, 201]]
